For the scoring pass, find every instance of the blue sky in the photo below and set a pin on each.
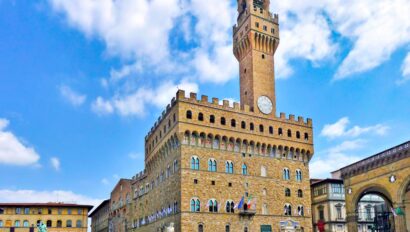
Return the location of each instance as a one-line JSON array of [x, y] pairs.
[[81, 83]]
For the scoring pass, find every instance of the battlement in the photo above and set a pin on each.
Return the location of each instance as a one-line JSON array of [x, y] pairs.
[[215, 103], [274, 18], [139, 175]]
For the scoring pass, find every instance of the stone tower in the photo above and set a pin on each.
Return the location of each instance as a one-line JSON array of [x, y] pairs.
[[256, 38]]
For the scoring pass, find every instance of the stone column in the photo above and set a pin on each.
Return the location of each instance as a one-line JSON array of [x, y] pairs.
[[399, 220], [351, 221]]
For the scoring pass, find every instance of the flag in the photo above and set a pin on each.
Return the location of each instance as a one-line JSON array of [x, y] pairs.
[[249, 201], [393, 211], [241, 203]]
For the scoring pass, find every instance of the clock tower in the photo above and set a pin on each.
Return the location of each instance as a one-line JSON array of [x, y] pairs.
[[256, 38]]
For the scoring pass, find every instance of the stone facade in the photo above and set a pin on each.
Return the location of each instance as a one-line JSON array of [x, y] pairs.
[[386, 174], [59, 217], [99, 217], [120, 202], [217, 167]]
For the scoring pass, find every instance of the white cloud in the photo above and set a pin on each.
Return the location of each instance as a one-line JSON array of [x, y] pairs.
[[135, 103], [71, 96], [339, 129], [101, 106], [335, 158], [105, 181], [13, 151], [55, 163], [405, 69], [375, 30], [7, 195]]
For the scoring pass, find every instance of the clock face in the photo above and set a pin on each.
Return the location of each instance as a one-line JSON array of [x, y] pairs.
[[265, 104]]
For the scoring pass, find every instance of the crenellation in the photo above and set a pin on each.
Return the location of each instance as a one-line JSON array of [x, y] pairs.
[[282, 116], [215, 101], [301, 120], [225, 103], [193, 96], [292, 118], [309, 122], [204, 99], [237, 106]]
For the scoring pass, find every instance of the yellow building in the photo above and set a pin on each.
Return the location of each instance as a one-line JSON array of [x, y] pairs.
[[59, 217], [217, 167]]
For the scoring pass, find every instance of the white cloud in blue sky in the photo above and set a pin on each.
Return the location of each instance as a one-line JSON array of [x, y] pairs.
[[71, 96], [13, 151]]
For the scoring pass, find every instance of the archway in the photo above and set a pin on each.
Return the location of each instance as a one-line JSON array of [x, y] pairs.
[[373, 211]]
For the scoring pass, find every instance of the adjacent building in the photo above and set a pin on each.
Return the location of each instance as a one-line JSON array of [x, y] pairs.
[[329, 207], [217, 167], [100, 216], [120, 201], [59, 217]]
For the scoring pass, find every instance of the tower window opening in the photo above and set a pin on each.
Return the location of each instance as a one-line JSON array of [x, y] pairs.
[[257, 24], [233, 123], [212, 119], [272, 30], [243, 125], [200, 117], [265, 28], [261, 128], [189, 114], [251, 127], [271, 130], [244, 70], [263, 56], [223, 121]]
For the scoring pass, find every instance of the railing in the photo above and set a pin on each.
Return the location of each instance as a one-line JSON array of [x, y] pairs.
[[247, 212]]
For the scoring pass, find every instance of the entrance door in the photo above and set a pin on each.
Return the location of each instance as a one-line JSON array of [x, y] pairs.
[[266, 228]]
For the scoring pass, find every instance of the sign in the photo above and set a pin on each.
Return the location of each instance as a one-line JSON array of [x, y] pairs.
[[266, 228]]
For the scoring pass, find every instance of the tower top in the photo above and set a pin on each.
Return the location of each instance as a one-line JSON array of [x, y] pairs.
[[244, 4]]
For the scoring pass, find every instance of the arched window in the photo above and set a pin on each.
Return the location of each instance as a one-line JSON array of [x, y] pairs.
[[212, 165], [280, 131], [49, 224], [245, 229], [263, 171], [213, 206], [297, 134], [175, 165], [200, 228], [212, 119], [271, 130], [289, 133], [288, 210], [227, 228], [243, 125], [306, 136], [25, 223], [17, 223], [233, 123], [59, 224], [1, 223], [251, 126], [286, 174], [195, 205], [300, 193], [195, 163], [261, 128], [230, 206], [216, 143], [229, 167], [69, 223], [189, 114], [287, 192], [244, 169], [298, 175], [79, 224], [223, 121], [300, 210], [200, 117]]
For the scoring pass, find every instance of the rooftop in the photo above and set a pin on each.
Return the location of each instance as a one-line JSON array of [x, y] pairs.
[[48, 204]]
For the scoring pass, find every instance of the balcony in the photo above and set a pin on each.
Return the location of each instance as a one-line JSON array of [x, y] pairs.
[[247, 212]]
